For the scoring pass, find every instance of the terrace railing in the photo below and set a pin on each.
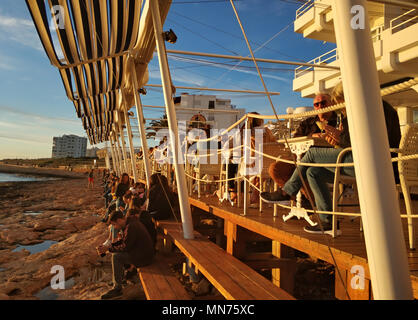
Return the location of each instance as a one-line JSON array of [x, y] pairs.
[[404, 21]]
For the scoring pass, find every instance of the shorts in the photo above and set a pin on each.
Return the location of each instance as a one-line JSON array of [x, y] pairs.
[[90, 179]]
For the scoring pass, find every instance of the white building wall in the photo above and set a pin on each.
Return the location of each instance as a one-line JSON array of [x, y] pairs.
[[217, 120], [69, 146]]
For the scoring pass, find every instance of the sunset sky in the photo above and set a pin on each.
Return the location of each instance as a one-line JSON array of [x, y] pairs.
[[34, 107]]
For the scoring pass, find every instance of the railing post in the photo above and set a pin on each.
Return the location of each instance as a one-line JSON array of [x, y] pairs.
[[385, 242], [172, 121]]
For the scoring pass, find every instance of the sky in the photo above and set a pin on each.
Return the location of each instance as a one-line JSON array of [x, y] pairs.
[[34, 107]]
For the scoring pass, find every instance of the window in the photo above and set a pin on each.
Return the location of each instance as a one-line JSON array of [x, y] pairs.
[[211, 104]]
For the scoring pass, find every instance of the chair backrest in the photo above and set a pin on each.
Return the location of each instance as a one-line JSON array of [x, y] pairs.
[[408, 170]]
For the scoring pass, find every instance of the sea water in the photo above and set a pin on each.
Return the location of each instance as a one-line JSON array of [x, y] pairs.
[[17, 177], [36, 248]]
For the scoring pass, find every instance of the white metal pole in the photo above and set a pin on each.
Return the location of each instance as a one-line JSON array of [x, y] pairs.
[[141, 126], [125, 154], [114, 155], [131, 145], [217, 89], [186, 215], [385, 243], [247, 153], [224, 56], [118, 149], [107, 159]]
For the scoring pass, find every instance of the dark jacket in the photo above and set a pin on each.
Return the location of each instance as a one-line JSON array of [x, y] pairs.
[[121, 190], [159, 206], [393, 130], [136, 241], [309, 126]]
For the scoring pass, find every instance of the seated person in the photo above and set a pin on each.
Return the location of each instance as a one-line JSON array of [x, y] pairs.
[[146, 219], [280, 172], [318, 177], [160, 198], [134, 248], [121, 189], [253, 124]]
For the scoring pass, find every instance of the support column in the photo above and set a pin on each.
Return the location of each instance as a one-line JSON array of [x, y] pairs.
[[131, 145], [119, 151], [284, 277], [385, 243], [186, 216], [141, 126], [114, 155], [125, 155]]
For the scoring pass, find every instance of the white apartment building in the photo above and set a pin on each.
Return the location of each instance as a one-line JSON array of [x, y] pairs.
[[218, 113], [69, 146]]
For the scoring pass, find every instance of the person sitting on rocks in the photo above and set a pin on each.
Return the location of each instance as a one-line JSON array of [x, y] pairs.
[[134, 248]]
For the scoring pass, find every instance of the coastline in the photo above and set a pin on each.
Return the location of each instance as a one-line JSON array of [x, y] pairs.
[[37, 171], [63, 213]]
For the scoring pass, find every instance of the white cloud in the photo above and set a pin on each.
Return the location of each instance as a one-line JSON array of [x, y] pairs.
[[181, 76], [19, 30]]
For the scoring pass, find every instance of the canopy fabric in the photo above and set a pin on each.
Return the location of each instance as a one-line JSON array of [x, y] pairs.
[[96, 40]]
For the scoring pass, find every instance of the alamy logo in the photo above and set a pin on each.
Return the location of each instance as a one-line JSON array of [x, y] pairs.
[[358, 20], [57, 13], [58, 280], [357, 281]]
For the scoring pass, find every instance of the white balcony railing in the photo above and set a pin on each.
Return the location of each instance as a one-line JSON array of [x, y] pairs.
[[328, 57], [308, 5], [332, 55], [404, 21]]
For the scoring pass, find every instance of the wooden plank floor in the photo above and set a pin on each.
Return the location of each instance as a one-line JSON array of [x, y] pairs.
[[348, 250]]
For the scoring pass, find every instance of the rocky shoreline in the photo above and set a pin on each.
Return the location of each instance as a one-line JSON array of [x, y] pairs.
[[65, 216], [48, 172]]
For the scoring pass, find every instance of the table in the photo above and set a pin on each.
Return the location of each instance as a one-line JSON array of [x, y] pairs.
[[300, 146]]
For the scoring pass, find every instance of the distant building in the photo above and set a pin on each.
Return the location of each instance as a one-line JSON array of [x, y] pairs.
[[92, 152], [69, 146], [208, 109]]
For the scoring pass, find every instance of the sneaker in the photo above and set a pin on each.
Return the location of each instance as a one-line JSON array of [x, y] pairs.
[[317, 229], [272, 197], [112, 293], [327, 229]]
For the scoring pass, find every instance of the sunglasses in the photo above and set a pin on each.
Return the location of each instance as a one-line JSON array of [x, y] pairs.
[[321, 103]]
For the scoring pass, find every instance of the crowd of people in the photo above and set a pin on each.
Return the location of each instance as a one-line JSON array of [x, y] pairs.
[[131, 212], [132, 208]]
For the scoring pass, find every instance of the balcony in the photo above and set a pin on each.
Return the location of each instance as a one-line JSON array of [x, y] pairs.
[[315, 19], [396, 52]]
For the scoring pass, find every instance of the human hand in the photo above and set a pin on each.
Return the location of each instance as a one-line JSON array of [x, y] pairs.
[[332, 135]]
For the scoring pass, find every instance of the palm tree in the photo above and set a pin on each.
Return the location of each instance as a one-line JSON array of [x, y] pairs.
[[156, 125]]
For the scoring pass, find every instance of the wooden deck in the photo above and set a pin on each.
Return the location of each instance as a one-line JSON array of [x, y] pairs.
[[348, 250]]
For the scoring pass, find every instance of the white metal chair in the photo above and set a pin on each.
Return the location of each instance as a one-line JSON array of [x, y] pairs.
[[340, 180], [408, 173], [408, 176]]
